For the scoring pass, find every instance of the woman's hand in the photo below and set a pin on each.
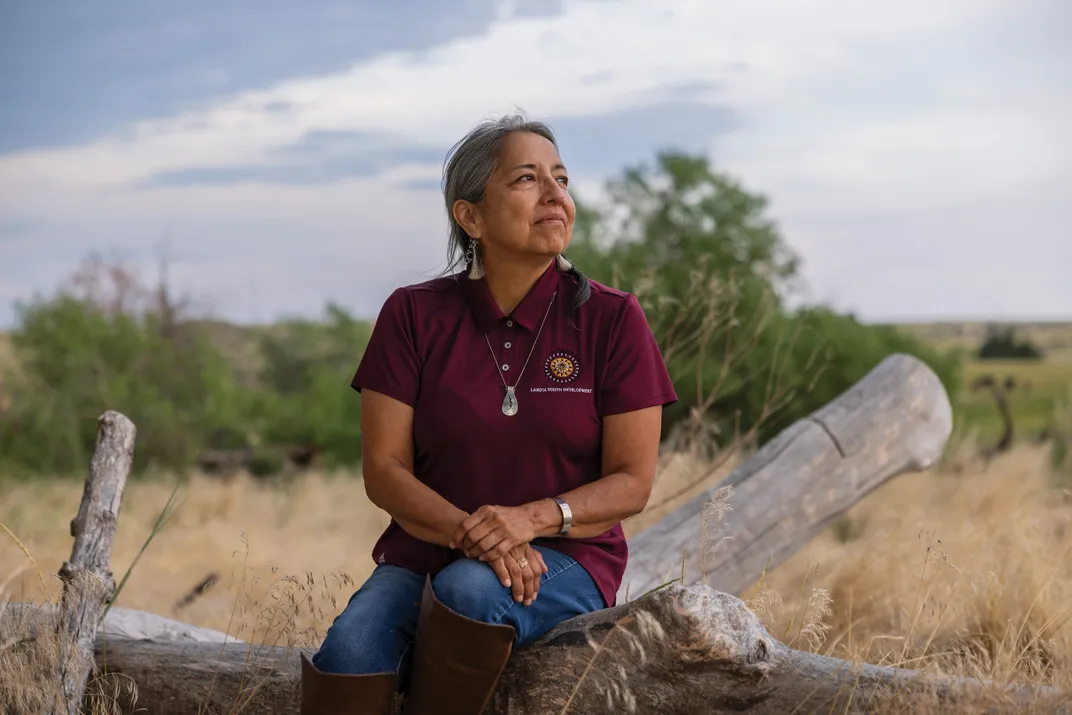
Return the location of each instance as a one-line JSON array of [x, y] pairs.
[[490, 532], [523, 580]]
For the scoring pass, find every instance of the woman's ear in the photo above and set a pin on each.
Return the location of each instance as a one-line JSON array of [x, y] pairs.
[[468, 217]]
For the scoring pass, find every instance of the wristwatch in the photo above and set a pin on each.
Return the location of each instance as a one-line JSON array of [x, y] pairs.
[[567, 515]]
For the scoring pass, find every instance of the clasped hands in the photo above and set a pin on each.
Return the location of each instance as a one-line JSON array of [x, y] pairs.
[[500, 536]]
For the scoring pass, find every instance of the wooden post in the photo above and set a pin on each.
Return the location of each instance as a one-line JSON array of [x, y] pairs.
[[87, 578]]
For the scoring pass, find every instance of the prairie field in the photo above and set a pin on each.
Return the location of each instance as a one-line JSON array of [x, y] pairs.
[[1053, 338], [1041, 389], [963, 568]]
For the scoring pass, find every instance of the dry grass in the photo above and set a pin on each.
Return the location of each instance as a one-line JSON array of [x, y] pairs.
[[248, 535], [966, 573], [32, 651], [953, 571]]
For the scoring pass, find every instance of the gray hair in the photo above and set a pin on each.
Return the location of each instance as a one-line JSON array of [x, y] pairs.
[[469, 165]]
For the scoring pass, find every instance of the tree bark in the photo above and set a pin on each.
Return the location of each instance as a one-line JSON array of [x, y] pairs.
[[87, 578], [681, 650], [896, 419]]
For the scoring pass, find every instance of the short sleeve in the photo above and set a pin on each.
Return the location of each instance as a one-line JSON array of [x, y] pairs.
[[636, 375], [390, 364]]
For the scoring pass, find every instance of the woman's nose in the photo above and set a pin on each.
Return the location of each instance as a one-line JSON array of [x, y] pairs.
[[554, 191]]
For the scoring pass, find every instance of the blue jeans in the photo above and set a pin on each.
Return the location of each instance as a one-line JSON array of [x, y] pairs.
[[376, 630]]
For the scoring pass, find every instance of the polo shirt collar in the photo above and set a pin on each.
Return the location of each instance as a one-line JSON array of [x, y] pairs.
[[528, 313]]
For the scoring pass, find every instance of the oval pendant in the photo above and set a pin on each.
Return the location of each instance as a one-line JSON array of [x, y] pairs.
[[509, 405]]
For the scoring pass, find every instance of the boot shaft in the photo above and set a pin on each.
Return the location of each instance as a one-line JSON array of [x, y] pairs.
[[457, 661], [342, 694]]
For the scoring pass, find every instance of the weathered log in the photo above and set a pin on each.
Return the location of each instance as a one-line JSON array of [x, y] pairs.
[[119, 622], [87, 578], [680, 650], [896, 419]]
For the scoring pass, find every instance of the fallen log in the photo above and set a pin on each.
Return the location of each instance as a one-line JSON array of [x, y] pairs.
[[87, 577], [896, 419], [685, 650], [129, 623]]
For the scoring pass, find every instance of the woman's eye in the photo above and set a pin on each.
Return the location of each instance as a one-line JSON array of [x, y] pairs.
[[564, 180]]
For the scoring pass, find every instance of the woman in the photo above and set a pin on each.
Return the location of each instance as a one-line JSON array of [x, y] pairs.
[[510, 421]]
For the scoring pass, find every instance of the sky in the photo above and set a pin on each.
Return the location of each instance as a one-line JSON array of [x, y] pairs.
[[915, 153]]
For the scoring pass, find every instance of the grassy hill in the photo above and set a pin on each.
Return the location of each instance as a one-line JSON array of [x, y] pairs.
[[1053, 338]]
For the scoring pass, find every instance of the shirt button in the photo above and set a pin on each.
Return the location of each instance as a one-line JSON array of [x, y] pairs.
[[509, 323], [505, 368], [508, 344]]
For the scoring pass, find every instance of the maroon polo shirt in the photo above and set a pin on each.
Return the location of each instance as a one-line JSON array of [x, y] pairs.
[[428, 350]]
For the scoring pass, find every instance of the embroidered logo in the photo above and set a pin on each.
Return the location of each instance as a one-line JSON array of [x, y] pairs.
[[561, 368]]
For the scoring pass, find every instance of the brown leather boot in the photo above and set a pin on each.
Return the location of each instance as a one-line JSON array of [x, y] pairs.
[[338, 694], [456, 662]]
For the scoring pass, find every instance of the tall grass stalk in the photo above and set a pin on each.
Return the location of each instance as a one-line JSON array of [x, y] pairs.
[[158, 525]]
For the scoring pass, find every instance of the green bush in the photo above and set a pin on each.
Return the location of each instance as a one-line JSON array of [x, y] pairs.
[[76, 361], [306, 377], [798, 362], [266, 463]]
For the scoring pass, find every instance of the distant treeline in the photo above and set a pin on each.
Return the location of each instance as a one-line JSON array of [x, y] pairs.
[[709, 266], [1001, 343]]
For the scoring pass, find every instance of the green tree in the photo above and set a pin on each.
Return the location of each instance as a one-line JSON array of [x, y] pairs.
[[712, 270]]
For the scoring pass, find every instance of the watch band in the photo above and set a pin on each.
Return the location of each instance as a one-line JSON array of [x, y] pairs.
[[567, 515]]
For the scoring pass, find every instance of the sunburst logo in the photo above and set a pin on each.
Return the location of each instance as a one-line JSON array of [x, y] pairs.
[[561, 368]]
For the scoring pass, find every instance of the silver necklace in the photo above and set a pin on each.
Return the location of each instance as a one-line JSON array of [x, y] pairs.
[[509, 403]]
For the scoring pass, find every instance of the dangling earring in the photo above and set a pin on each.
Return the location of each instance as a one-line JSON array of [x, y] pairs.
[[470, 254], [476, 268]]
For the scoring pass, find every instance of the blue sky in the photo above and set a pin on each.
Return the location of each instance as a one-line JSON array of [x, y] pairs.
[[289, 154]]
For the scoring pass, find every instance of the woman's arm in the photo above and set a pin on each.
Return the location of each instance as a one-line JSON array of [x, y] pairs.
[[387, 467], [630, 453]]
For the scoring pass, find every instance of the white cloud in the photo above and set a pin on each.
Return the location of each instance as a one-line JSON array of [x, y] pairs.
[[842, 115], [536, 62], [941, 159]]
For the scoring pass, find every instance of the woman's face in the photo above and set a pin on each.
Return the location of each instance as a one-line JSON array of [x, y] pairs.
[[526, 210]]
